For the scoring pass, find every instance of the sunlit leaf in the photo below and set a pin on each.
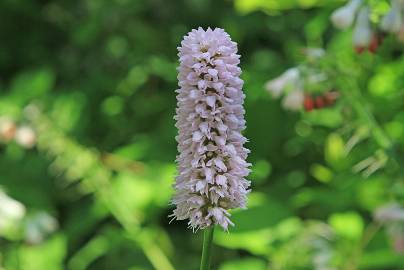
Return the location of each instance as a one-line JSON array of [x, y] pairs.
[[321, 173], [349, 224], [334, 151], [251, 263], [32, 84], [48, 255], [326, 117], [260, 217]]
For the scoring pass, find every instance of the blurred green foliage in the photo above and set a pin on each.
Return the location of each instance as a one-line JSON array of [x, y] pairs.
[[95, 79]]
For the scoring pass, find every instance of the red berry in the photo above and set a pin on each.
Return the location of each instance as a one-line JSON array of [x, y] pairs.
[[308, 103]]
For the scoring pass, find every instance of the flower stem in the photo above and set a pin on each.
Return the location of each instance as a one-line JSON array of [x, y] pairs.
[[207, 247]]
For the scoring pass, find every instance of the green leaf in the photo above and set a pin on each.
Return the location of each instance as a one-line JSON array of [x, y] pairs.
[[253, 229], [163, 68], [349, 225], [260, 171], [261, 216], [257, 242], [137, 150], [249, 263], [32, 84], [93, 249], [247, 6], [67, 109], [381, 259], [48, 255], [321, 173], [326, 117], [372, 193], [261, 241], [386, 80], [334, 151]]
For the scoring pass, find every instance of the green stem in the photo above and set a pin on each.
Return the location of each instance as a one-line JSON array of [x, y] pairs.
[[155, 255], [207, 247]]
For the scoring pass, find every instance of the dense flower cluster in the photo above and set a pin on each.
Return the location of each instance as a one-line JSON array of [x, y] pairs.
[[366, 36], [210, 117]]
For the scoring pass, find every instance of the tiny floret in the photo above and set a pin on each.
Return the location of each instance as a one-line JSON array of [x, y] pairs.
[[212, 166]]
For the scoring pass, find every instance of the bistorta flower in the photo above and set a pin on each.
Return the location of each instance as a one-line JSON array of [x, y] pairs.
[[392, 21], [288, 78], [362, 35], [294, 100], [210, 117], [343, 17]]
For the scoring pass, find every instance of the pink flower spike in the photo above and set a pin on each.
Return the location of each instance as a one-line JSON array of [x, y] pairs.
[[212, 169]]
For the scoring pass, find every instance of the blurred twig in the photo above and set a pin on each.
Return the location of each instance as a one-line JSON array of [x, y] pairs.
[[119, 163], [95, 175]]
